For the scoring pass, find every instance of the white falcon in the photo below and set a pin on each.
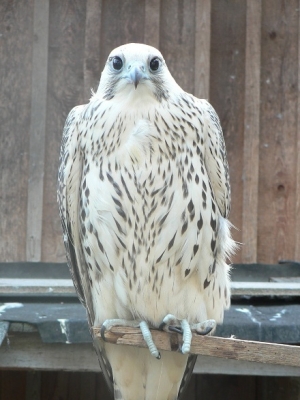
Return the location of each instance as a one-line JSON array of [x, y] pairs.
[[144, 197]]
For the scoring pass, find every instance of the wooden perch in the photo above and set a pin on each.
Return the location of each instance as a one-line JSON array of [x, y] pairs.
[[229, 348]]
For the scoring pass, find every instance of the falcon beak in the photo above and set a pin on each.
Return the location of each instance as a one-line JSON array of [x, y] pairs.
[[136, 74]]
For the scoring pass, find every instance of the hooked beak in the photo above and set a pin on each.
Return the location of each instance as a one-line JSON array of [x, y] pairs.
[[136, 74]]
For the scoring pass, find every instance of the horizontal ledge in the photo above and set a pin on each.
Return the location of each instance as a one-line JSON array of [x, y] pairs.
[[64, 287], [36, 287], [228, 348], [265, 288]]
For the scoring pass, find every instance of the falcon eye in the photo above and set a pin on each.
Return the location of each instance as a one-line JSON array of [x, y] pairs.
[[117, 63], [154, 64]]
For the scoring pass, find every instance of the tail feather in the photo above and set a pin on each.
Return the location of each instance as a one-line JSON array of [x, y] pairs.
[[140, 376]]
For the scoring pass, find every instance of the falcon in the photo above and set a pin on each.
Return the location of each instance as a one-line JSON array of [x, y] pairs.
[[144, 197]]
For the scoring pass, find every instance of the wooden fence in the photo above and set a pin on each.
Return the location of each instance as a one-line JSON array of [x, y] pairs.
[[242, 55]]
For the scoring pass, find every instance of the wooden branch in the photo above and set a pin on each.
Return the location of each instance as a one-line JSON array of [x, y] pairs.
[[229, 348]]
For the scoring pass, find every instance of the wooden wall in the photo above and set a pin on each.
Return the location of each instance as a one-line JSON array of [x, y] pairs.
[[31, 385], [242, 55]]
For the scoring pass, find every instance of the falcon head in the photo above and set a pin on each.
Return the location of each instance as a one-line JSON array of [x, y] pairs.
[[134, 70]]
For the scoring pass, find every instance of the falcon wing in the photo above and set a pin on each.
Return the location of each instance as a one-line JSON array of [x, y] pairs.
[[69, 181], [216, 160]]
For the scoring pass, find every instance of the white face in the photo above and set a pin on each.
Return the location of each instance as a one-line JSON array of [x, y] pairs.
[[134, 67]]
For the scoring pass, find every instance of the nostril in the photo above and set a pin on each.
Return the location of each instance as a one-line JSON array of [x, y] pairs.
[[129, 67]]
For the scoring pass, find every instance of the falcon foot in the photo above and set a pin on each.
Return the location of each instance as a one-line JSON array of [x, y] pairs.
[[109, 323], [172, 324]]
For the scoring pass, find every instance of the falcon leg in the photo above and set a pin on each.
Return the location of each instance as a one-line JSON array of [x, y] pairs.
[[173, 324], [148, 339], [109, 323]]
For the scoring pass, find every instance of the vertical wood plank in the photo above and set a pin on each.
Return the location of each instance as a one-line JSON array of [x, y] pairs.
[[226, 387], [278, 131], [177, 41], [48, 384], [88, 385], [251, 132], [16, 19], [297, 213], [278, 388], [37, 131], [65, 90], [202, 48], [152, 23], [127, 25], [92, 47], [33, 385], [12, 385], [227, 83], [190, 391]]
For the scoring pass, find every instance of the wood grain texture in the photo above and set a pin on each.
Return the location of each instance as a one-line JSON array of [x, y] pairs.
[[202, 48], [222, 387], [227, 85], [58, 385], [26, 351], [92, 69], [65, 90], [121, 27], [251, 132], [12, 385], [278, 127], [278, 388], [37, 131], [297, 168], [152, 23], [33, 385], [231, 348], [81, 35], [177, 42], [16, 21]]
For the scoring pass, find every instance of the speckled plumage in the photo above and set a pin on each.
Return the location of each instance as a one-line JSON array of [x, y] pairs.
[[144, 197]]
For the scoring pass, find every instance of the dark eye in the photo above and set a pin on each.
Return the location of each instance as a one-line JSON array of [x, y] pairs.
[[154, 64], [117, 63]]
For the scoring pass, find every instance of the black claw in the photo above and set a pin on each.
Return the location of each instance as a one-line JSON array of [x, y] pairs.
[[158, 357], [102, 332], [176, 329], [206, 332], [161, 326]]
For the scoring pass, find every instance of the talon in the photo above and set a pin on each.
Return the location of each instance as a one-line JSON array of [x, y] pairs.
[[167, 321], [176, 329], [102, 332], [204, 328], [162, 326]]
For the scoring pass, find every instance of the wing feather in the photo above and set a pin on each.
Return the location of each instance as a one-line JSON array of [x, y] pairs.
[[69, 179], [68, 190], [216, 160]]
